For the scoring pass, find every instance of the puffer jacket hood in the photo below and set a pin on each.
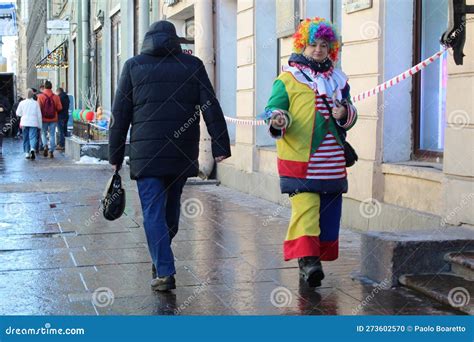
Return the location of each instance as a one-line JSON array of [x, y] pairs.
[[161, 40]]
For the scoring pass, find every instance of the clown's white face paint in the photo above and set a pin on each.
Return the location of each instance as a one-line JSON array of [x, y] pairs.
[[318, 51]]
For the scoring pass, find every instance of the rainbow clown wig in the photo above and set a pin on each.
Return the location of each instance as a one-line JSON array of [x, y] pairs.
[[310, 30]]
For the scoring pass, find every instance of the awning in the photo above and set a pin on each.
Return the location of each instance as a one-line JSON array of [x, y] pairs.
[[55, 59]]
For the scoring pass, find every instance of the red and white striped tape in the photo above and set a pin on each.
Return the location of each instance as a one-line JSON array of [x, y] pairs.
[[362, 96], [397, 79], [245, 122]]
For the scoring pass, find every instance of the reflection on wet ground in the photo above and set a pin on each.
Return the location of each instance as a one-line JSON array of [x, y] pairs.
[[58, 256]]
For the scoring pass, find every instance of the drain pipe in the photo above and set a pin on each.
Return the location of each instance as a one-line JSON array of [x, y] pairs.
[[85, 77], [204, 45]]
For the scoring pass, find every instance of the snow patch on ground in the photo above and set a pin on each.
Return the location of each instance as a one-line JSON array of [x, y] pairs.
[[92, 160]]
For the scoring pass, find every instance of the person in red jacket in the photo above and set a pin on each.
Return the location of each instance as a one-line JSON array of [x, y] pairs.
[[50, 105]]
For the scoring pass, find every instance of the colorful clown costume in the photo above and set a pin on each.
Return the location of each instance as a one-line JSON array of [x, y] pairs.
[[310, 152], [314, 226]]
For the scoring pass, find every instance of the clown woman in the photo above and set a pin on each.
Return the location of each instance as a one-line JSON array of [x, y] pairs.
[[308, 113]]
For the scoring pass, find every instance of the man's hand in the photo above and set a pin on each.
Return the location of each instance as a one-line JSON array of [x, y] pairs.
[[114, 167], [339, 112], [219, 159]]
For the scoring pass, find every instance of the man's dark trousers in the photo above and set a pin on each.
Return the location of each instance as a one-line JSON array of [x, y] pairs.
[[160, 199]]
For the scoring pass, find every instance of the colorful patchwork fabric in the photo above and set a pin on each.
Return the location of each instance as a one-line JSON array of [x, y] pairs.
[[311, 150], [314, 226]]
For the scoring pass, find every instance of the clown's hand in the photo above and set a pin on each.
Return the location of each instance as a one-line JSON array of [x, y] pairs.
[[339, 112], [280, 119]]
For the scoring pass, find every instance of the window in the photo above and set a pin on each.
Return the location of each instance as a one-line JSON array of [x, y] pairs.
[[115, 52], [429, 85], [190, 28]]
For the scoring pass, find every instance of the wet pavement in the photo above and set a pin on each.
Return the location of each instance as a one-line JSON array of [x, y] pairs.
[[58, 256]]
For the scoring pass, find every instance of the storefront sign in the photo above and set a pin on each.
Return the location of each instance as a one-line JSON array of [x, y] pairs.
[[351, 6]]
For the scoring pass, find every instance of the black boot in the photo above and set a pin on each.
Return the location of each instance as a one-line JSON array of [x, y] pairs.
[[311, 270], [163, 283]]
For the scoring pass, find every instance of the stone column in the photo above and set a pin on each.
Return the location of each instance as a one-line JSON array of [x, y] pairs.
[[244, 152], [363, 41], [204, 45]]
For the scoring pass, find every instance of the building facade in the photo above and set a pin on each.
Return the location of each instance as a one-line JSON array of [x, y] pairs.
[[414, 141]]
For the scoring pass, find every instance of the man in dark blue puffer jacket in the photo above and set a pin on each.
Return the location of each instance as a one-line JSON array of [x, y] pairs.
[[162, 93]]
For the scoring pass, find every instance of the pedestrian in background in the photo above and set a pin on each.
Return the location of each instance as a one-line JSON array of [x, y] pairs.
[[50, 105], [30, 113], [159, 93], [5, 109], [63, 118]]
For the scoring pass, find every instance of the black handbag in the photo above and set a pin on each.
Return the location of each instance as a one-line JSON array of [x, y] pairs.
[[113, 203], [349, 153]]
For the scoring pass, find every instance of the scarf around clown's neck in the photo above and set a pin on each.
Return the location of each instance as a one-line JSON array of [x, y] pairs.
[[323, 67]]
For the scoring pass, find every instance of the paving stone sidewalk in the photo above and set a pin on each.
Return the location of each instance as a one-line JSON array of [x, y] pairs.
[[58, 256]]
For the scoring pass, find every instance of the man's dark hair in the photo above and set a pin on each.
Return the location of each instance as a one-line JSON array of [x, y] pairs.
[[48, 85], [60, 90]]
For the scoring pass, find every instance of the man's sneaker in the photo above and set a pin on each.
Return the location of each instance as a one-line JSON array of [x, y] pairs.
[[45, 151], [27, 156], [32, 154], [163, 283], [60, 148], [311, 271], [51, 154]]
